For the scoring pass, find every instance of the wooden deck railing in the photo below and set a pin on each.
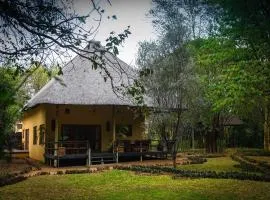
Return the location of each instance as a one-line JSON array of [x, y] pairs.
[[63, 148], [137, 146], [55, 151]]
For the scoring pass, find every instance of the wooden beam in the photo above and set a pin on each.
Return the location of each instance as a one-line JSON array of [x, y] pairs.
[[56, 145], [113, 126]]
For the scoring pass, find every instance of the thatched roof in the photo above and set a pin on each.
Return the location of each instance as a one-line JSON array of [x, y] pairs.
[[233, 121], [82, 85]]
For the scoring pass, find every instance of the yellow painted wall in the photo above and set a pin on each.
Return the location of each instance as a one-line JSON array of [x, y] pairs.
[[34, 117], [95, 115], [80, 115], [19, 154]]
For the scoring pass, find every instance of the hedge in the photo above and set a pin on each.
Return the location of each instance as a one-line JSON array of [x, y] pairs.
[[197, 174]]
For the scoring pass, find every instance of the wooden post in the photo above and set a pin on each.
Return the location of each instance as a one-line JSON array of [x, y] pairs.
[[113, 123], [141, 151], [192, 135], [113, 133], [56, 145], [117, 156], [89, 154]]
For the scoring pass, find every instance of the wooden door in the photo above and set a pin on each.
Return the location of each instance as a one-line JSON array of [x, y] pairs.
[[94, 138], [26, 143]]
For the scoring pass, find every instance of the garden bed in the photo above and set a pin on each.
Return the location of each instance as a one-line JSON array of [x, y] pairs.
[[197, 174], [13, 172]]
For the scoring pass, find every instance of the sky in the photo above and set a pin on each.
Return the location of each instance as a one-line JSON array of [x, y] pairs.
[[129, 13]]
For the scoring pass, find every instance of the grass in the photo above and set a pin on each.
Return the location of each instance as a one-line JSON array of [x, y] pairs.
[[214, 164], [118, 184]]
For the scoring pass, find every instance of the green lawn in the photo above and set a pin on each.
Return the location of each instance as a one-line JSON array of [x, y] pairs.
[[127, 185], [214, 164]]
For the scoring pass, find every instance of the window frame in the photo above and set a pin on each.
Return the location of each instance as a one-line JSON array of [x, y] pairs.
[[35, 136], [42, 132]]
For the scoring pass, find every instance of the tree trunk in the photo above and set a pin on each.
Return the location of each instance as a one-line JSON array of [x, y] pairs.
[[211, 136], [267, 126], [211, 142], [174, 159]]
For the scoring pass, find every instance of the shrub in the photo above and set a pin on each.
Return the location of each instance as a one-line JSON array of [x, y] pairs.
[[196, 174], [253, 152], [10, 179], [246, 165], [59, 172], [196, 160], [77, 171]]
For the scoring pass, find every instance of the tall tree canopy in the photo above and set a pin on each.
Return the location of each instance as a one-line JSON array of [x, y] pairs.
[[10, 102], [51, 32], [246, 74], [229, 44]]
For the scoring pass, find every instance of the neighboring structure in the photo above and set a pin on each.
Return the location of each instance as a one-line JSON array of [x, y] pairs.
[[79, 112], [18, 136], [18, 127]]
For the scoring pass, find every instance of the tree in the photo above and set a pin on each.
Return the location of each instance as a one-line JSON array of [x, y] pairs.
[[37, 77], [10, 104], [48, 32], [180, 22], [166, 83], [234, 57], [192, 15], [246, 24]]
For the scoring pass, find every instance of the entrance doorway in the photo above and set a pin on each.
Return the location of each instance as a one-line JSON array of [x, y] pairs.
[[26, 142], [90, 133]]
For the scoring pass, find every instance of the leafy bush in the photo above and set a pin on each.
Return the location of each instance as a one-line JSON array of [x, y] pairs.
[[197, 174], [197, 159], [59, 172], [33, 163], [10, 179], [253, 152], [248, 164], [77, 171], [263, 164]]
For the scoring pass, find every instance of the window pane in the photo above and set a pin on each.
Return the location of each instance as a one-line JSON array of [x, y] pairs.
[[42, 134], [35, 135]]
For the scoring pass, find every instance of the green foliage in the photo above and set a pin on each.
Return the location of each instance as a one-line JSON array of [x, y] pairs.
[[229, 74], [231, 57], [37, 76], [253, 152], [246, 165], [245, 22], [10, 102], [198, 174], [219, 164], [16, 87], [249, 134], [113, 41]]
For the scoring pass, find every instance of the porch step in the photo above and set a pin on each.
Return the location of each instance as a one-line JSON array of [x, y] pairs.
[[101, 158]]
